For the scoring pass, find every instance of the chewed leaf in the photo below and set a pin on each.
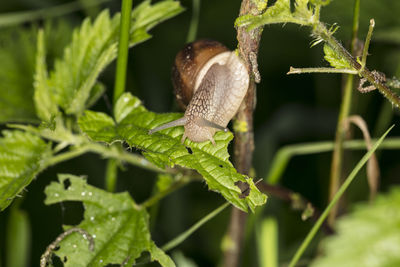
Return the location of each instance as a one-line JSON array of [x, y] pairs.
[[120, 228], [21, 157], [369, 236], [335, 59], [164, 148]]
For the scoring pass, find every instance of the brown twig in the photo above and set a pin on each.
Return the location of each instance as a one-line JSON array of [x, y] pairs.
[[46, 257], [297, 201], [244, 136], [373, 172]]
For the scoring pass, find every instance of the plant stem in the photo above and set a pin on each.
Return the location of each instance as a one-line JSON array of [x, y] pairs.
[[267, 243], [367, 41], [194, 22], [120, 80], [283, 156], [154, 199], [123, 46], [179, 239], [323, 32], [76, 152], [111, 175], [334, 201], [336, 166], [108, 152], [297, 201], [320, 70], [248, 44]]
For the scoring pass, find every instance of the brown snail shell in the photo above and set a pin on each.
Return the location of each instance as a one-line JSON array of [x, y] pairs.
[[211, 82], [187, 65]]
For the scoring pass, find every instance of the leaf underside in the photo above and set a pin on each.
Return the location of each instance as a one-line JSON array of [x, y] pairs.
[[164, 148], [21, 156], [120, 228]]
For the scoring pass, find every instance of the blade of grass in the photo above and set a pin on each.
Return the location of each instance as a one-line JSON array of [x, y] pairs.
[[180, 238], [334, 200], [15, 18]]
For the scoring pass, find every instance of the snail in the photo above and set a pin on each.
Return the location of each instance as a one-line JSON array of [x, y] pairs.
[[210, 81]]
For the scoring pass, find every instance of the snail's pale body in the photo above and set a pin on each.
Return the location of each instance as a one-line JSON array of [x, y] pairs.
[[219, 88]]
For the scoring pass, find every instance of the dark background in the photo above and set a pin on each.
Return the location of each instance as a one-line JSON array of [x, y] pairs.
[[290, 109]]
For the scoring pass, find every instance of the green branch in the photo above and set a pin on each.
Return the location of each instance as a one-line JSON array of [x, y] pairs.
[[107, 152], [283, 156], [174, 186]]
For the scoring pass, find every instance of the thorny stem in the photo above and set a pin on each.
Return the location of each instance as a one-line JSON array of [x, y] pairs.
[[323, 32], [248, 43], [337, 156]]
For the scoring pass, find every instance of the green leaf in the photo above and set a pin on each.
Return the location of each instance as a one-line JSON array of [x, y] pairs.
[[21, 158], [320, 2], [16, 76], [335, 59], [368, 236], [280, 12], [46, 108], [165, 148], [93, 47], [119, 226], [17, 68]]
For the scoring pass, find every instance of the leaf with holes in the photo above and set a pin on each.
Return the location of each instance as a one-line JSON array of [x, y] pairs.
[[165, 149], [369, 236], [22, 156], [119, 226]]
